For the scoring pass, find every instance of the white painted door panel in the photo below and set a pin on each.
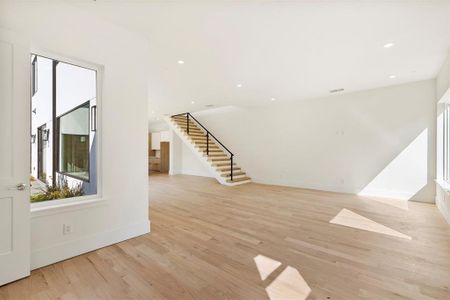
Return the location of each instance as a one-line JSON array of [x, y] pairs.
[[14, 158]]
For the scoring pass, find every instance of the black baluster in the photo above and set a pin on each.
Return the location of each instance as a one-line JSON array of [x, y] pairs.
[[187, 120], [207, 143]]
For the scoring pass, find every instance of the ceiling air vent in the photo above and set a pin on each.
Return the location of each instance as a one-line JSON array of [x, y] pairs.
[[209, 105], [337, 90]]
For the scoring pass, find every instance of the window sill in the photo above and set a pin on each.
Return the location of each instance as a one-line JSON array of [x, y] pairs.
[[52, 207], [444, 185]]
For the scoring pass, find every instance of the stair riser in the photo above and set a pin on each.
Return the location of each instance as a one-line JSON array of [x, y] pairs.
[[191, 126], [192, 130], [203, 142], [238, 182], [225, 169], [235, 175], [191, 134], [223, 160], [237, 179], [219, 152], [203, 148], [216, 164]]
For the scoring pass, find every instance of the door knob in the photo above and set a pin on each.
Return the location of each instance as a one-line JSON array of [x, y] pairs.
[[18, 187], [21, 186]]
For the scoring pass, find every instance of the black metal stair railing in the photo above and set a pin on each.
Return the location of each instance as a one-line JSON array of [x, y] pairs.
[[208, 135]]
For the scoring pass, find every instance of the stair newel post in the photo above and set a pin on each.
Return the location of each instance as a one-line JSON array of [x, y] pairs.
[[231, 166], [187, 120], [207, 143]]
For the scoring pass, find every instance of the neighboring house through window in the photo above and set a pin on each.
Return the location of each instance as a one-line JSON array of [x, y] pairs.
[[64, 108], [73, 131]]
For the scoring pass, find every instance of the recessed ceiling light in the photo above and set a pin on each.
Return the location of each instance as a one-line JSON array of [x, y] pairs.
[[192, 102], [157, 118], [180, 62], [238, 85], [392, 76], [153, 112], [388, 45], [272, 99]]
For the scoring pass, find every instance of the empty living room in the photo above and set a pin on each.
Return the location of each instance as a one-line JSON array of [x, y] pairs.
[[225, 149]]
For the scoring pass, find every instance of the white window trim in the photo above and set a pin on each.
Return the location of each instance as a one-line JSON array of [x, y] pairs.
[[61, 205], [443, 142]]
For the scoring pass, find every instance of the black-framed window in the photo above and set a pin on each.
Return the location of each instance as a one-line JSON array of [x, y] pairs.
[[73, 142], [34, 75]]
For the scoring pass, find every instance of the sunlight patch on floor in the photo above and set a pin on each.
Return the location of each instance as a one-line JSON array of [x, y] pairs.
[[265, 265], [289, 284], [350, 219]]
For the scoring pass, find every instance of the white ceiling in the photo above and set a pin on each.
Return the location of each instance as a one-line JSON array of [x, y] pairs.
[[288, 50]]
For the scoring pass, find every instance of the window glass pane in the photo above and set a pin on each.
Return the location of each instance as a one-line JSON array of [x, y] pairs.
[[63, 115], [446, 142], [74, 143]]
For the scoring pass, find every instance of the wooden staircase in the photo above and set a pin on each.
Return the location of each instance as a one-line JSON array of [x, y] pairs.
[[213, 153]]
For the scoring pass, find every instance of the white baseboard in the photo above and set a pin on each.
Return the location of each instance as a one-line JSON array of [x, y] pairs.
[[345, 189], [443, 202], [306, 185], [55, 253], [386, 194]]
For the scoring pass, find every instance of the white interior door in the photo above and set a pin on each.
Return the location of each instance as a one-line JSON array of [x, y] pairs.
[[14, 158]]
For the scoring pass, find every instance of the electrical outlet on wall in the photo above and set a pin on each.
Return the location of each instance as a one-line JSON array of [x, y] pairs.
[[67, 229]]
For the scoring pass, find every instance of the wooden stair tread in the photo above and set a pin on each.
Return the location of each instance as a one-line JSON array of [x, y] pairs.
[[219, 159], [234, 174], [204, 146], [190, 127], [192, 131], [220, 164], [228, 169], [238, 179]]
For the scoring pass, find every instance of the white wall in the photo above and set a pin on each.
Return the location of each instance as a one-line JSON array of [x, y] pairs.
[[190, 164], [183, 161], [157, 126], [380, 142], [62, 29], [442, 86], [443, 79]]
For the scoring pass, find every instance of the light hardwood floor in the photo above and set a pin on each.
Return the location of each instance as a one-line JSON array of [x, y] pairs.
[[210, 241]]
